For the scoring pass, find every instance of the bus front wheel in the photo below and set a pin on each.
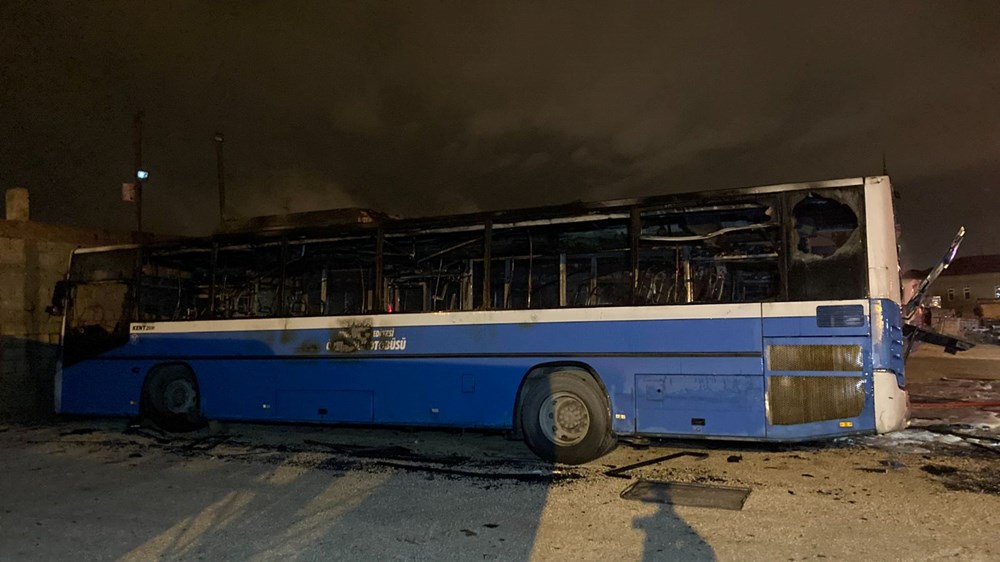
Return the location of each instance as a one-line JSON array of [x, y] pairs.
[[565, 418], [171, 399]]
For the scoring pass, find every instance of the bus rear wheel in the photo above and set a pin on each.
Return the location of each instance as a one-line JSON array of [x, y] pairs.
[[565, 418], [171, 399]]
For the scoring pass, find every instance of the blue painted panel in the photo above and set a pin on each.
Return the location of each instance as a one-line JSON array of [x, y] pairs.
[[887, 338], [345, 406], [238, 390], [409, 391], [102, 387], [717, 405]]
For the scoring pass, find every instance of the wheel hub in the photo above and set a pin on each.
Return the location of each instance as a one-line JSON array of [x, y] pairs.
[[179, 396], [564, 419]]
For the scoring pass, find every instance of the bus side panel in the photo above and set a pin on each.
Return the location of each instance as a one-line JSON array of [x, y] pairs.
[[406, 391], [818, 365], [723, 405], [451, 375], [101, 387], [477, 392]]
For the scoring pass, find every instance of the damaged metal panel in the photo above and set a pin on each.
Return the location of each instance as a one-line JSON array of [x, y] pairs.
[[803, 399]]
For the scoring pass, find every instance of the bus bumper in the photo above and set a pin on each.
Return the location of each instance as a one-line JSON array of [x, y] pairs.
[[892, 403]]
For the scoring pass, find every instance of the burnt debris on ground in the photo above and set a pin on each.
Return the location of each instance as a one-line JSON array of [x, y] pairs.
[[336, 457]]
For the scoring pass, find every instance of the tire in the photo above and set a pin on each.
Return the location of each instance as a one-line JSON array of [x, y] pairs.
[[565, 418], [171, 399]]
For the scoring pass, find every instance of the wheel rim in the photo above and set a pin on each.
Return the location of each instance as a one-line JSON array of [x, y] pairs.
[[564, 419], [179, 396]]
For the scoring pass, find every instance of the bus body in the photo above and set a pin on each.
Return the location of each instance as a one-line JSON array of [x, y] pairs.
[[768, 313]]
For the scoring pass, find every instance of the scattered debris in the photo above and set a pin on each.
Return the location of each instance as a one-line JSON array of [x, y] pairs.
[[938, 469], [392, 452], [206, 444], [78, 431], [635, 442], [527, 477], [956, 431], [157, 436], [681, 493], [984, 480], [620, 471]]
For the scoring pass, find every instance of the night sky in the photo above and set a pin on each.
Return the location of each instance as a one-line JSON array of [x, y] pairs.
[[437, 107]]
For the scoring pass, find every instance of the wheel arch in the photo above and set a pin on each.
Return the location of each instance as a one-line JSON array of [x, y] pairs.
[[543, 369]]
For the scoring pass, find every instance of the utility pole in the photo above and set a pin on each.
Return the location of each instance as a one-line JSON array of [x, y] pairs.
[[137, 141], [222, 178]]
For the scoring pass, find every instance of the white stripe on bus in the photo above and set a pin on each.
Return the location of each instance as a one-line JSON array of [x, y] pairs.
[[487, 317]]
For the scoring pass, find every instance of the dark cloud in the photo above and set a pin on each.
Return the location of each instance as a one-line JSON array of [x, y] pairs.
[[425, 108]]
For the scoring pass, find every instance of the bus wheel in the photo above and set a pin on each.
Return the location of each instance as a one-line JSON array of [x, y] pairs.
[[171, 399], [565, 418]]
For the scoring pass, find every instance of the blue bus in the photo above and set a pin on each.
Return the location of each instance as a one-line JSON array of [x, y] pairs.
[[767, 313]]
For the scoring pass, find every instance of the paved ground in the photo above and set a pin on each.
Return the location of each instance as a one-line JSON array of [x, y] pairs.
[[100, 490]]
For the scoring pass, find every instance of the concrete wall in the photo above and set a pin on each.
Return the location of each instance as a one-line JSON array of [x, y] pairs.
[[33, 256]]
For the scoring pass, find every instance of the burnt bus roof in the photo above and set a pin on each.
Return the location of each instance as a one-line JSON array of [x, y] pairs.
[[509, 216]]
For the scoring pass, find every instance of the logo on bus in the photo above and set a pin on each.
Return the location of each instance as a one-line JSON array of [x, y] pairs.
[[363, 337]]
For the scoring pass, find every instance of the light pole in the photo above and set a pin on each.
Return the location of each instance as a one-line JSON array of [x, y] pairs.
[[140, 174], [222, 179]]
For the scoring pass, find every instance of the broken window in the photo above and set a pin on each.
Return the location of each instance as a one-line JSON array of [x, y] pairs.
[[328, 277], [176, 284], [248, 281], [100, 303], [571, 261], [712, 253], [822, 225], [827, 259], [428, 271]]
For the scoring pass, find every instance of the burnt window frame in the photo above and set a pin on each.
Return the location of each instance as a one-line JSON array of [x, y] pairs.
[[788, 224], [487, 226]]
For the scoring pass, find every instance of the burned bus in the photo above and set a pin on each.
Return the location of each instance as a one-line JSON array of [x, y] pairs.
[[766, 313]]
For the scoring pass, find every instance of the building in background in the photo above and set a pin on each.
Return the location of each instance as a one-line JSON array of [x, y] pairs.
[[968, 284], [965, 299], [33, 256]]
